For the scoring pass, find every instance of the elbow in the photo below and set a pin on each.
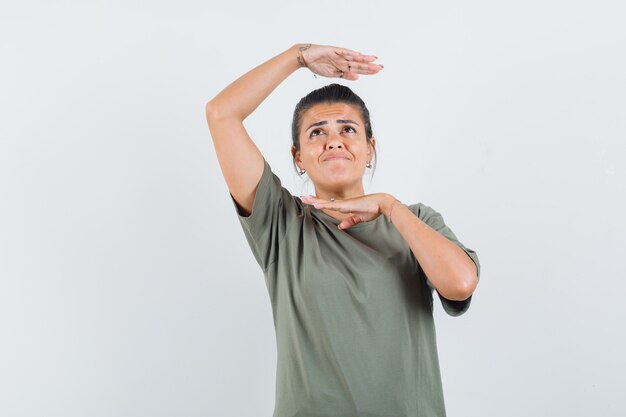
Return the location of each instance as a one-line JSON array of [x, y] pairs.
[[211, 110], [216, 111], [465, 294], [463, 289], [466, 284]]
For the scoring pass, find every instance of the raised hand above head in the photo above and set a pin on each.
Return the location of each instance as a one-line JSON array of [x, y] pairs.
[[335, 62]]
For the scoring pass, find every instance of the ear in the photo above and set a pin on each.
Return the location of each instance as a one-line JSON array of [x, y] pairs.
[[372, 144], [296, 155]]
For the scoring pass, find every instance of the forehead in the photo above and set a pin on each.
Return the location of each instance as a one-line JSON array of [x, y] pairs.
[[328, 111]]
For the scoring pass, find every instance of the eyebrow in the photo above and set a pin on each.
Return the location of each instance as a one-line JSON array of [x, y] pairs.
[[324, 122]]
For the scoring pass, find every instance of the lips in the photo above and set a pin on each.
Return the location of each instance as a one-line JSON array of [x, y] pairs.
[[336, 156]]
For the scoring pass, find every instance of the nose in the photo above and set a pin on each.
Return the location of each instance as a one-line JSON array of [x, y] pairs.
[[334, 141]]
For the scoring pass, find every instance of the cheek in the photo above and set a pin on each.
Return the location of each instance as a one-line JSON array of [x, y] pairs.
[[311, 150], [312, 155]]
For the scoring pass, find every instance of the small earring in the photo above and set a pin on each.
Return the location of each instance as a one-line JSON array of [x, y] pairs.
[[368, 165], [301, 171]]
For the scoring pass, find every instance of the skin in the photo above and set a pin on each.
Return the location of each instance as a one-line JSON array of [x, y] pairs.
[[342, 132], [338, 128], [447, 266]]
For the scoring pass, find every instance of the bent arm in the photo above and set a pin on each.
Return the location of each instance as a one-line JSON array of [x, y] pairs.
[[240, 98], [447, 266], [240, 160]]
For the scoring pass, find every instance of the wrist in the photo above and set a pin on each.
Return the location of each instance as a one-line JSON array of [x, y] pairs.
[[389, 203], [300, 48]]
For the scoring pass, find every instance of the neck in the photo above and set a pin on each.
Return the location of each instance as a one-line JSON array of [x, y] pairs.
[[339, 193]]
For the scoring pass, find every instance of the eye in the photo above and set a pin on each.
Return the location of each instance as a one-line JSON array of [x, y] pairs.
[[350, 127], [315, 132]]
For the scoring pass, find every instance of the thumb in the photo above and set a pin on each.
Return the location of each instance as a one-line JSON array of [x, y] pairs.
[[348, 222]]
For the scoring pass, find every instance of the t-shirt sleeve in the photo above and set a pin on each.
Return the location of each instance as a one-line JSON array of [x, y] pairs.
[[435, 220], [273, 209]]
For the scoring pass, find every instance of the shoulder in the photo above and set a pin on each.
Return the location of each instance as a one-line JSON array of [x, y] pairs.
[[421, 210], [427, 214]]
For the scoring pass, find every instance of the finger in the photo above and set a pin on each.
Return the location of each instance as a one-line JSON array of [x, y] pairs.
[[355, 55], [348, 222], [343, 51], [332, 206], [364, 68], [357, 68], [368, 72], [360, 58], [308, 199], [352, 72], [350, 75]]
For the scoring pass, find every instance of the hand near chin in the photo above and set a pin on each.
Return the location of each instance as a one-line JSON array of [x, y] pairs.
[[362, 209]]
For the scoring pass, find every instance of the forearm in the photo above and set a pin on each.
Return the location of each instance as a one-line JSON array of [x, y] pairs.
[[244, 95], [445, 264]]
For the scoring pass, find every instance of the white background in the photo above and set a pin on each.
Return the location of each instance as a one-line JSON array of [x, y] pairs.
[[126, 285]]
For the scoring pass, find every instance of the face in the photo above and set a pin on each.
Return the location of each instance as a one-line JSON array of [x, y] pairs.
[[333, 146]]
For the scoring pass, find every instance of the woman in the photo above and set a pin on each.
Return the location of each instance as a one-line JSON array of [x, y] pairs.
[[350, 276]]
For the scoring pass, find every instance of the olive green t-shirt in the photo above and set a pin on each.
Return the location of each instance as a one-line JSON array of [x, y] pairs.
[[353, 310]]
